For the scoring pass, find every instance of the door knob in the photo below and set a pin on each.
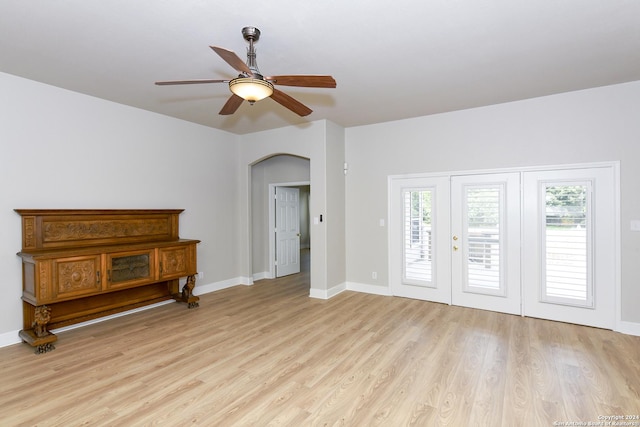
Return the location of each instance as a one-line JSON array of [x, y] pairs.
[[455, 237], [455, 248]]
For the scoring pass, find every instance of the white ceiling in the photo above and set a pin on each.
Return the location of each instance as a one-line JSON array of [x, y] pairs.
[[391, 59]]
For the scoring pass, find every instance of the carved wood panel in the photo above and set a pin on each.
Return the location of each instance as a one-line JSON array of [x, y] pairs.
[[29, 230], [174, 262], [60, 231], [77, 276], [45, 281]]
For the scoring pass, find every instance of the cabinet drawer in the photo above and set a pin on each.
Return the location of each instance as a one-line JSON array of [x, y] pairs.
[[76, 276], [176, 262], [126, 269]]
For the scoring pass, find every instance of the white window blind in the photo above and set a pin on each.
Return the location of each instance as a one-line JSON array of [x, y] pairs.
[[418, 239], [483, 236], [567, 243]]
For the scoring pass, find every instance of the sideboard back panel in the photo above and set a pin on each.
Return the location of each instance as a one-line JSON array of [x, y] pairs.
[[60, 228]]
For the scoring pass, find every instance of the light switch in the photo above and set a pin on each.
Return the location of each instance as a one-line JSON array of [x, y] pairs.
[[635, 225]]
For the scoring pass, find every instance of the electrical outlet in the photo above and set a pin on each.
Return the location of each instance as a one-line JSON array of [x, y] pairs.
[[200, 275], [374, 275]]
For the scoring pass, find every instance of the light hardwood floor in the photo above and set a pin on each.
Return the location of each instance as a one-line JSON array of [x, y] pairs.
[[270, 355]]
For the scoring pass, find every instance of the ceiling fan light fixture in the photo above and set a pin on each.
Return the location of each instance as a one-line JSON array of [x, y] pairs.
[[251, 89], [252, 86]]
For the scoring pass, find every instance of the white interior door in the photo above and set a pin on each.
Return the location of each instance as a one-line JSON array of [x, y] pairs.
[[485, 242], [419, 233], [569, 260], [287, 231]]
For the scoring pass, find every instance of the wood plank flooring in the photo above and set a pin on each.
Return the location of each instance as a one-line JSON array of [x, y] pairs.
[[270, 355]]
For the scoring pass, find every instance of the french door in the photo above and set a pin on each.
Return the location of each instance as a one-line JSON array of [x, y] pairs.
[[454, 240], [419, 243], [541, 243], [570, 257], [485, 241]]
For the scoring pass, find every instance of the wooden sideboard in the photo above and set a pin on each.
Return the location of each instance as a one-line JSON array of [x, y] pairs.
[[79, 265]]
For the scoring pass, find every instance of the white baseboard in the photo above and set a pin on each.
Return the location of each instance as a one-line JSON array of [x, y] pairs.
[[349, 286], [329, 293], [369, 289], [9, 338], [629, 328], [224, 284], [261, 276]]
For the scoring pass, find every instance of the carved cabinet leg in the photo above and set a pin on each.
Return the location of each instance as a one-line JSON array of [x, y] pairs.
[[187, 293], [38, 335]]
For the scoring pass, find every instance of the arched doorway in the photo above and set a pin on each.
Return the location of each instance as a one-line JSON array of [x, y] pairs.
[[267, 174]]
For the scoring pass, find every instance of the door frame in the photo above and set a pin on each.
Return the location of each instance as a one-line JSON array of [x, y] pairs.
[[615, 165], [272, 221]]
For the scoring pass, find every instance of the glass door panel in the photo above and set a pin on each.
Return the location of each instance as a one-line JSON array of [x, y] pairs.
[[418, 255], [566, 244], [483, 206]]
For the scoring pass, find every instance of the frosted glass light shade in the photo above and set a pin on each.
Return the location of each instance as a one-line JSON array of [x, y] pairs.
[[251, 89]]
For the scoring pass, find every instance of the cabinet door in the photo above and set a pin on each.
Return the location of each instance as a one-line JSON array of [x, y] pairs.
[[76, 276], [178, 261], [127, 269]]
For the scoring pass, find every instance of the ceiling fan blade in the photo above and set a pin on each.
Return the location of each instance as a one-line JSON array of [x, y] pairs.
[[290, 103], [303, 81], [190, 82], [232, 59], [231, 105]]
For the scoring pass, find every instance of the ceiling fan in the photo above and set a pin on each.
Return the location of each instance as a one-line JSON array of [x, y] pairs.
[[252, 86]]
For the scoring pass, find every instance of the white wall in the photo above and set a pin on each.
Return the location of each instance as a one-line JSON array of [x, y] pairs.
[[305, 221], [601, 124], [310, 141], [304, 141], [60, 149], [335, 217]]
